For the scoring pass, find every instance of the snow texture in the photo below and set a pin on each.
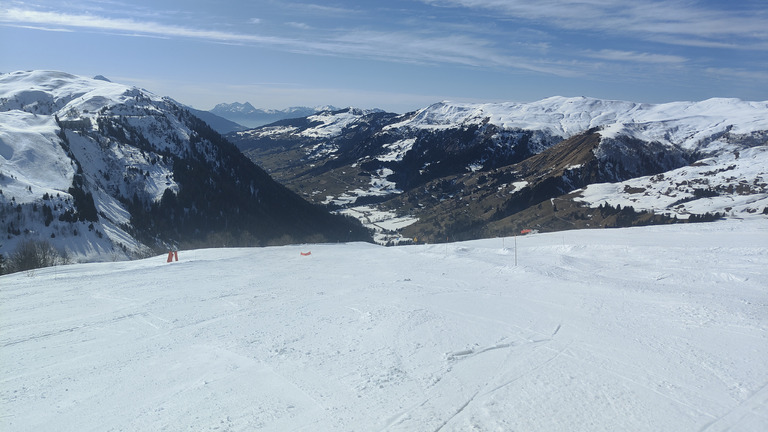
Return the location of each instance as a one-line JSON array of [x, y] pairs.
[[642, 329]]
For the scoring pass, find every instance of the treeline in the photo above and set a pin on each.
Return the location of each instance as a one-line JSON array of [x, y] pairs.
[[627, 216], [31, 255]]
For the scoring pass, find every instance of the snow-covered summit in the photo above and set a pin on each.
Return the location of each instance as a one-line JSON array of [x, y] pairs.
[[322, 125], [30, 102], [33, 105], [678, 123], [331, 123], [560, 116], [234, 107], [63, 94], [42, 158]]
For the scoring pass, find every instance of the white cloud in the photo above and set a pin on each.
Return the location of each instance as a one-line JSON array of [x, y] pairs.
[[632, 56], [677, 21], [417, 48], [741, 74], [402, 46], [298, 25], [50, 29], [327, 10], [94, 22]]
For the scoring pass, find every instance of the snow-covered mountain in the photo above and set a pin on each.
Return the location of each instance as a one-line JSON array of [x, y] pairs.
[[106, 171], [246, 114], [374, 155]]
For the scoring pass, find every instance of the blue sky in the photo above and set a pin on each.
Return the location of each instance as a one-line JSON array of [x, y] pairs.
[[398, 55]]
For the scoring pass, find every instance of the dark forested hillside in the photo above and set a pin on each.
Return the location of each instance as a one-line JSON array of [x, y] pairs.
[[234, 202]]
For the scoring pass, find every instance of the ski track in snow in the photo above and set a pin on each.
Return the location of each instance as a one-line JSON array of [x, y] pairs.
[[643, 329]]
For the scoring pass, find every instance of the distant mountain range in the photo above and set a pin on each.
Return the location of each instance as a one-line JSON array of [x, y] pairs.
[[246, 115], [217, 123], [459, 171], [108, 171]]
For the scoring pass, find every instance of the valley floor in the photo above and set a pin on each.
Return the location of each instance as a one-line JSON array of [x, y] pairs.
[[643, 329]]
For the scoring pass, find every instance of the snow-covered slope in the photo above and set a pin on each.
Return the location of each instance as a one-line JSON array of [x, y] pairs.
[[30, 140], [735, 184], [642, 329]]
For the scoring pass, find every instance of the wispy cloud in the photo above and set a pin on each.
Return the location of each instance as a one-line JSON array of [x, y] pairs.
[[399, 46], [417, 48], [741, 74], [130, 26], [668, 21], [50, 29], [298, 25], [324, 9], [433, 42], [637, 57]]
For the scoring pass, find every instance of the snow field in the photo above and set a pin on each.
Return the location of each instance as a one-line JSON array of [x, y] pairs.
[[672, 193], [655, 328], [30, 140]]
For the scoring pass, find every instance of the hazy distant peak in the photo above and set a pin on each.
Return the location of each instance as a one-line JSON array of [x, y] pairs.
[[246, 114], [234, 107]]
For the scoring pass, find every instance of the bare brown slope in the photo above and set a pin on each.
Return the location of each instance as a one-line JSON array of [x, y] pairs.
[[530, 194]]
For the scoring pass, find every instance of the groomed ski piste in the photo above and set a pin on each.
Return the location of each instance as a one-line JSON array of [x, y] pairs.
[[642, 329]]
